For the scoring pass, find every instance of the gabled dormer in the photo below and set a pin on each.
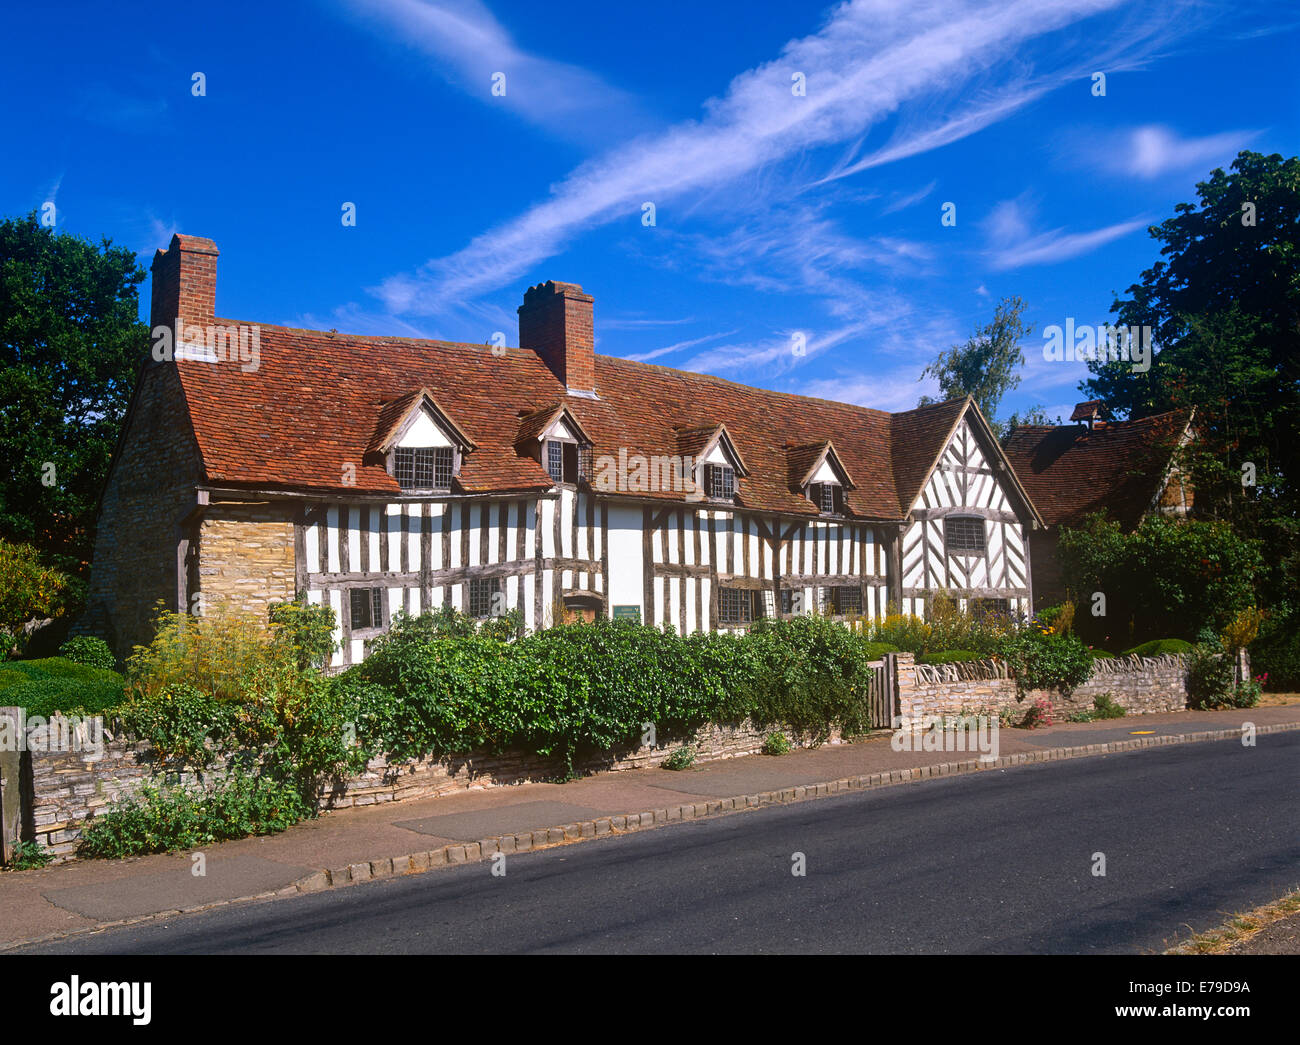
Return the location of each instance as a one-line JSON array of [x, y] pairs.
[[422, 446], [714, 459], [557, 441], [821, 477]]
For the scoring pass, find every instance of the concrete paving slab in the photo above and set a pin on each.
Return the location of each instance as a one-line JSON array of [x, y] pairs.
[[177, 889], [489, 823]]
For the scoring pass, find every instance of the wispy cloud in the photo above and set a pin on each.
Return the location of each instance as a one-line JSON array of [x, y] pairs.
[[870, 58], [469, 47], [680, 346], [1059, 245], [1153, 150]]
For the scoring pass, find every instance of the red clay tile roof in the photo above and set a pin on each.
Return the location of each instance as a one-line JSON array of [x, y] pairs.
[[1117, 467], [317, 401], [1086, 409]]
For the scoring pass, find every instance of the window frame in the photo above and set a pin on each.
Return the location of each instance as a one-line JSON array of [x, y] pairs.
[[745, 602], [837, 599], [373, 605], [710, 471], [961, 546], [472, 595], [436, 455]]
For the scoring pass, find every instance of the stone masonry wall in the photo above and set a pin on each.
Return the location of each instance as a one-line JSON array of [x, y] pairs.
[[68, 789], [246, 557], [1140, 685], [150, 490]]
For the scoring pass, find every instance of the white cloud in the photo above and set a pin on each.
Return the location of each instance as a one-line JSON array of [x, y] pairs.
[[1157, 150], [1058, 245], [469, 46], [870, 58]]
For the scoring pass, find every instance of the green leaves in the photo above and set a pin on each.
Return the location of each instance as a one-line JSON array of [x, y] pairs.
[[70, 345]]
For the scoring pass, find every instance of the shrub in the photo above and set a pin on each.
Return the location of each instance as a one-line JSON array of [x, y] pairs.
[[58, 684], [776, 744], [1104, 706], [948, 656], [876, 650], [1242, 630], [682, 758], [1160, 647], [1168, 577], [1059, 618], [305, 630], [1038, 714], [1276, 651], [89, 650], [216, 653], [27, 856], [1097, 654], [1210, 683], [31, 590], [1044, 661], [161, 819]]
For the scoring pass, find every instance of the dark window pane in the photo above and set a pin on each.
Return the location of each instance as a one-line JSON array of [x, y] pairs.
[[735, 606], [482, 597], [961, 533], [423, 467], [722, 482], [555, 460], [362, 608]]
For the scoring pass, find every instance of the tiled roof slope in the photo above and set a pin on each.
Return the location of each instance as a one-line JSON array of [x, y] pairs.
[[316, 400], [1071, 471]]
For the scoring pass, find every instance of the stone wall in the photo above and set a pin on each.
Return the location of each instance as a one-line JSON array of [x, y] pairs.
[[246, 556], [1140, 685], [149, 495], [66, 789]]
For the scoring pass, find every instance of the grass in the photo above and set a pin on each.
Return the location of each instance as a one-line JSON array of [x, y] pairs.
[[1239, 927]]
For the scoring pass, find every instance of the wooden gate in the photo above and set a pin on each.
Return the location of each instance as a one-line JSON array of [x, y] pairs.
[[883, 692]]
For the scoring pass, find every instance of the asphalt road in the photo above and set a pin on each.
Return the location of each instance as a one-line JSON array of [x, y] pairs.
[[999, 862]]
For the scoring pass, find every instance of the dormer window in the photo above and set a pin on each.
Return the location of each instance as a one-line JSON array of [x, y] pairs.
[[563, 461], [829, 497], [720, 481], [423, 447], [424, 467]]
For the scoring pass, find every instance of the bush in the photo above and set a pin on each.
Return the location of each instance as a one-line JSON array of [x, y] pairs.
[[1160, 647], [1168, 577], [1210, 684], [88, 650], [58, 684], [877, 650], [31, 590], [682, 758], [158, 820], [1044, 661], [217, 653], [776, 744], [1104, 706], [1276, 651], [1097, 654], [1038, 714], [948, 656], [305, 630], [27, 856]]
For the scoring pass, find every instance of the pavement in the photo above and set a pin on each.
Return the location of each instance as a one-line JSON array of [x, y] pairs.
[[353, 845], [989, 862]]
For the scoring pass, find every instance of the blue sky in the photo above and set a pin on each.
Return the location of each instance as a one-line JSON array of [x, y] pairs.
[[774, 213]]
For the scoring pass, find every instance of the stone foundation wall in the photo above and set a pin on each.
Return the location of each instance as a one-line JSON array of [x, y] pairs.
[[66, 789]]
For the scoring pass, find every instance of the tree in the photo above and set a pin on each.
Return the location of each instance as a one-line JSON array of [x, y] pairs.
[[1224, 312], [985, 367], [1167, 579], [70, 346]]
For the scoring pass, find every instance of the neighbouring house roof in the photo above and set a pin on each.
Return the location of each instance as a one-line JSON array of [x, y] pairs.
[[319, 401], [1118, 467]]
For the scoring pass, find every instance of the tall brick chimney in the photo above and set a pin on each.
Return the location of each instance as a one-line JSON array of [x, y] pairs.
[[555, 321], [184, 282]]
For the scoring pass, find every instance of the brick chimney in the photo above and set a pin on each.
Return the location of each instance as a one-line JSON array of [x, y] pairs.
[[184, 283], [555, 321]]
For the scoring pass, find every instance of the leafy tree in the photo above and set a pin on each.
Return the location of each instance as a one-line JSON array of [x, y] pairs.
[[70, 345], [1166, 579], [1224, 310], [985, 367]]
